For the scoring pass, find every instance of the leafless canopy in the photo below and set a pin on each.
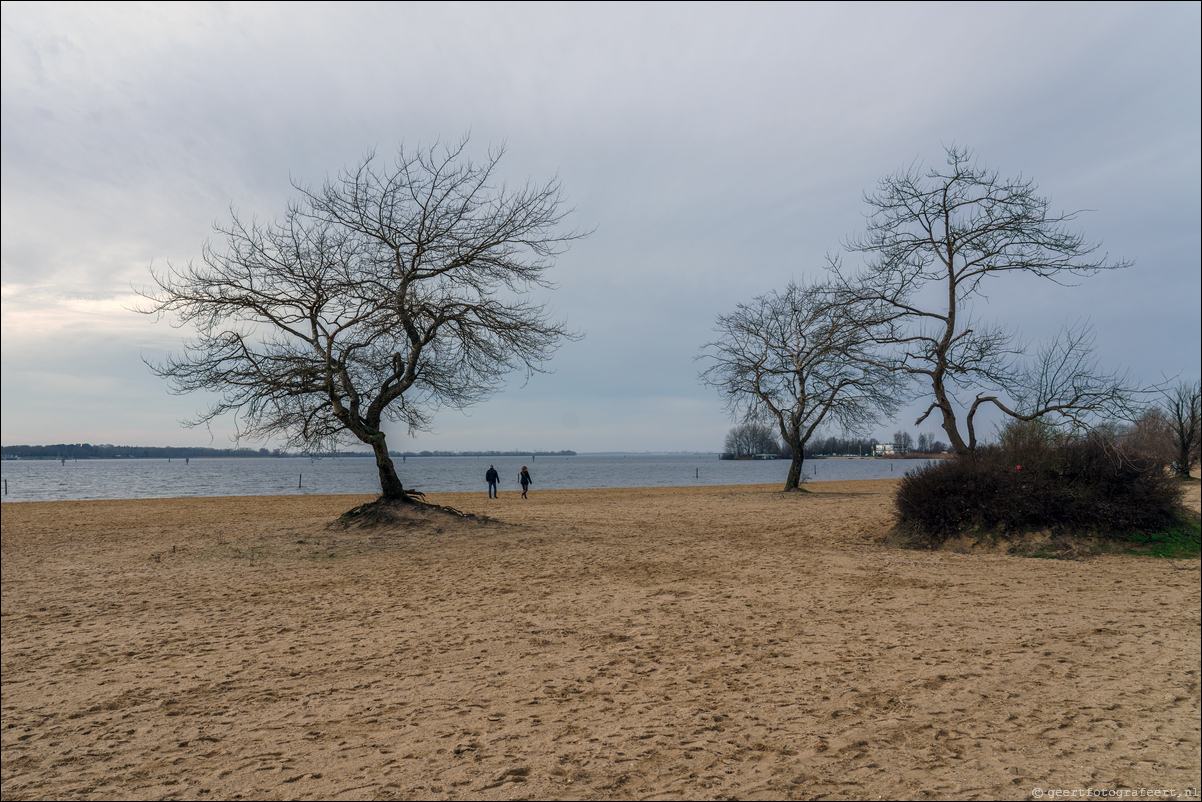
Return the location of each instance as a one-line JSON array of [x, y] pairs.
[[1183, 410], [933, 240], [801, 361], [389, 293], [749, 439]]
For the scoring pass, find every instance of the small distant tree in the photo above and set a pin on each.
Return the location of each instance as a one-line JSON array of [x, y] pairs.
[[1150, 437], [1183, 410], [798, 359], [385, 295], [751, 438], [935, 243], [927, 444], [902, 442]]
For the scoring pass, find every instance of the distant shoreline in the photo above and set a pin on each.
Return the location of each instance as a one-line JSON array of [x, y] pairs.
[[85, 451], [75, 453], [908, 455]]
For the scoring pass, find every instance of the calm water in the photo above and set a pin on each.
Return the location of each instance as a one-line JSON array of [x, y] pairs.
[[46, 480]]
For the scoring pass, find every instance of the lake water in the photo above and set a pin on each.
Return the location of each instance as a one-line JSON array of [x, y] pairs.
[[51, 480]]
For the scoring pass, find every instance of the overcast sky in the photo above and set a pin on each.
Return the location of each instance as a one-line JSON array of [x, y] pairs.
[[717, 150]]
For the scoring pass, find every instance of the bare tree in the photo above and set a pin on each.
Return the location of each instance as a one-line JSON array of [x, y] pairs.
[[389, 293], [934, 240], [927, 444], [797, 359], [1150, 437], [1184, 412], [749, 439], [903, 443]]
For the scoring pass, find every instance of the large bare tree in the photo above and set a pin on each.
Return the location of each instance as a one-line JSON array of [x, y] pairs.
[[391, 292], [935, 243], [1183, 408], [800, 361]]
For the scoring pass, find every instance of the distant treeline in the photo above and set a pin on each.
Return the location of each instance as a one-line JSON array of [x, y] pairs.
[[837, 446], [109, 451], [481, 454], [847, 446]]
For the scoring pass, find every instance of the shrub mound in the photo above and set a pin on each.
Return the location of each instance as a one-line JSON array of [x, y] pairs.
[[1093, 487]]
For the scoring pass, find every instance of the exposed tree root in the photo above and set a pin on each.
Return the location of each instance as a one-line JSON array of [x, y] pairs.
[[397, 513]]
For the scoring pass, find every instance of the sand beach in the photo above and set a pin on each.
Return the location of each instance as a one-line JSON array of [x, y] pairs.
[[669, 643]]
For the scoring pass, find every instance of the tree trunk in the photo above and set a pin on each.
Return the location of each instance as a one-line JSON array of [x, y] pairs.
[[794, 480], [961, 448], [950, 427], [390, 483], [1184, 460]]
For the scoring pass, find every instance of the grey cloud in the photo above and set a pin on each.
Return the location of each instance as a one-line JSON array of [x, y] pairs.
[[718, 151]]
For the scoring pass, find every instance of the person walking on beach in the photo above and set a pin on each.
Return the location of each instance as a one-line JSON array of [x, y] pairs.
[[491, 477], [526, 480]]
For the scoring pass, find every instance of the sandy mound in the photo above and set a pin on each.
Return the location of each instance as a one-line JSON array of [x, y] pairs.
[[385, 515]]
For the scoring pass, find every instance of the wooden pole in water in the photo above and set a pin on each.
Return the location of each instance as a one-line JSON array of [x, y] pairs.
[[299, 476]]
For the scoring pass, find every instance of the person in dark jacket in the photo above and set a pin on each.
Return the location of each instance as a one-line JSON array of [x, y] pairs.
[[491, 477], [525, 480]]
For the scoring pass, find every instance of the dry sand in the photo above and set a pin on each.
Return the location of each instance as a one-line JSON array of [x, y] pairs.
[[728, 642]]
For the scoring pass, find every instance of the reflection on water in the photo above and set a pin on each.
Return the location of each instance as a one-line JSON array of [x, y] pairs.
[[50, 480]]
